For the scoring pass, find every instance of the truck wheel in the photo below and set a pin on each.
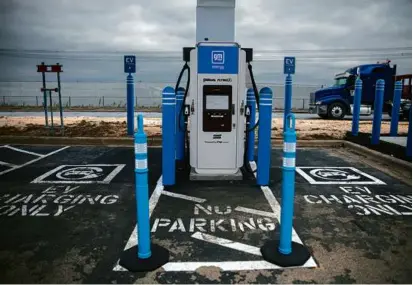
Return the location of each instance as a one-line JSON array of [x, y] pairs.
[[336, 111]]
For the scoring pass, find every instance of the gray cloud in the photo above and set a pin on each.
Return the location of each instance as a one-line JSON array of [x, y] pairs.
[[162, 25]]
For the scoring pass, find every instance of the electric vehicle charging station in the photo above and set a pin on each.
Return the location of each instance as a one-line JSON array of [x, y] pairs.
[[217, 100]]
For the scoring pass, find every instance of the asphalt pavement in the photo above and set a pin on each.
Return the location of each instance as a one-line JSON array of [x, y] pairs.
[[68, 212]]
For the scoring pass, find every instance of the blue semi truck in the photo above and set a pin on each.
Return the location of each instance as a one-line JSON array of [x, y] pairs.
[[337, 101]]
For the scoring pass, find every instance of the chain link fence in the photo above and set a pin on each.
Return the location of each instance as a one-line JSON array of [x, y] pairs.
[[113, 95]]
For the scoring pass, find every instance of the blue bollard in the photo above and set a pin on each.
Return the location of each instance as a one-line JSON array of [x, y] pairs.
[[142, 196], [378, 110], [356, 106], [288, 181], [130, 97], [409, 136], [284, 252], [264, 137], [168, 136], [251, 120], [396, 108], [180, 124], [288, 97], [150, 256]]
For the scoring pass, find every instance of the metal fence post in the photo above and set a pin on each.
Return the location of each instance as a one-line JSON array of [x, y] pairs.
[[378, 110], [396, 108]]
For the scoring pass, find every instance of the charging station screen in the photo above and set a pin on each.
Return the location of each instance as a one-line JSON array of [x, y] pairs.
[[217, 102]]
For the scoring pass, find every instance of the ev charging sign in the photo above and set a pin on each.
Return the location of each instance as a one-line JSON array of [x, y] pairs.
[[289, 65], [129, 63]]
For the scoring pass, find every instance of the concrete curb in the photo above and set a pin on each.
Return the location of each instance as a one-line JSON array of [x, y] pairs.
[[128, 141], [80, 141], [377, 155], [156, 141]]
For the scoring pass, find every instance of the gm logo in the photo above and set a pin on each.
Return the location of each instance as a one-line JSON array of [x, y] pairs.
[[218, 57]]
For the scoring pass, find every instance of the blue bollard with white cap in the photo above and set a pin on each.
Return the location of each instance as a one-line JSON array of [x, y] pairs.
[[396, 108], [356, 106], [284, 252], [168, 136], [378, 110], [251, 104], [145, 256], [264, 137]]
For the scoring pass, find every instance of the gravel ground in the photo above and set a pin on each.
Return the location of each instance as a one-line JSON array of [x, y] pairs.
[[115, 127]]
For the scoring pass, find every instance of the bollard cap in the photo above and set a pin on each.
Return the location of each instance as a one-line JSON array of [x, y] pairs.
[[250, 95], [180, 90], [398, 85], [168, 90], [380, 83]]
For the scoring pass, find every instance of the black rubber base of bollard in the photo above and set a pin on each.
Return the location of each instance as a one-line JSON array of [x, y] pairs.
[[129, 259], [298, 256]]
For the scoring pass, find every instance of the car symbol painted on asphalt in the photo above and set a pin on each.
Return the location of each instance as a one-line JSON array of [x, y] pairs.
[[333, 174], [80, 173]]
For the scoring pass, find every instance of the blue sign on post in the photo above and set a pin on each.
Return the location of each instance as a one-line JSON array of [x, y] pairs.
[[129, 63], [289, 65]]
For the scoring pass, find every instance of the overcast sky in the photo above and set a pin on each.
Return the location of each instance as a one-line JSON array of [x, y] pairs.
[[319, 28]]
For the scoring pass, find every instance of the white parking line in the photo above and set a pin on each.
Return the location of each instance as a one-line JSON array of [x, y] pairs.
[[184, 197], [226, 265], [24, 151], [227, 243], [32, 161], [255, 212], [7, 164]]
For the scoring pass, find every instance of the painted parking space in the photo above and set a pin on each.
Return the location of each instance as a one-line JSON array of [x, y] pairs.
[[355, 232]]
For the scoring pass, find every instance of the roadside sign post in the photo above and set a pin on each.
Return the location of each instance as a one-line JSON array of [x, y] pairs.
[[130, 67], [55, 68], [289, 68]]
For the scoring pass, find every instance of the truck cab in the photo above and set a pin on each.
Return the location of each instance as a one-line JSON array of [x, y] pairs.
[[337, 101]]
